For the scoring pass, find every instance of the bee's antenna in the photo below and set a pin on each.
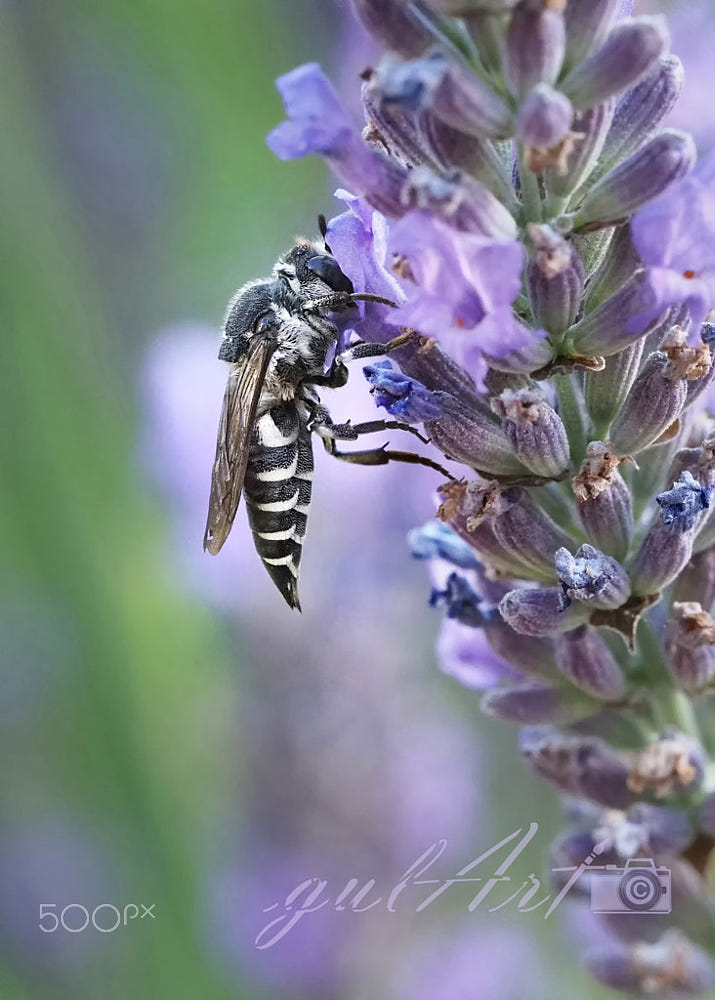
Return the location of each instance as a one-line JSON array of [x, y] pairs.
[[323, 229]]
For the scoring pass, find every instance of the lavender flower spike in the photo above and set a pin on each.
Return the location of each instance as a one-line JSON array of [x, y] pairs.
[[402, 396]]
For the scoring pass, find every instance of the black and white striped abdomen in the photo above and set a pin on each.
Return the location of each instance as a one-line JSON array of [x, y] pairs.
[[277, 489]]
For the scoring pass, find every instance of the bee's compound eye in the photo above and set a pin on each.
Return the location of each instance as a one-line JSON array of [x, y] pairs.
[[328, 270], [266, 323]]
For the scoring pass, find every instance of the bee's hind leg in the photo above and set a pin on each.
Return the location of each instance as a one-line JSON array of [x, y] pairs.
[[372, 456]]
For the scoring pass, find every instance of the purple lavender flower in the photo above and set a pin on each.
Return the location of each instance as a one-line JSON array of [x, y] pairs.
[[402, 396], [675, 237], [460, 290]]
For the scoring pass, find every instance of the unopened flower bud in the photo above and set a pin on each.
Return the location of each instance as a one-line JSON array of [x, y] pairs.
[[392, 130], [609, 328], [605, 508], [697, 581], [630, 52], [534, 47], [542, 122], [580, 153], [689, 641], [402, 396], [555, 279], [659, 560], [455, 150], [583, 657], [460, 201], [579, 765], [654, 402], [607, 390], [465, 434], [640, 113], [587, 24], [391, 26], [536, 353], [541, 611], [534, 430], [526, 531], [448, 89], [617, 267], [639, 179], [592, 576], [684, 503], [534, 704], [529, 655]]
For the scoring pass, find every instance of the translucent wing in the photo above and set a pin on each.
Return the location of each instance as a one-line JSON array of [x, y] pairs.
[[240, 401]]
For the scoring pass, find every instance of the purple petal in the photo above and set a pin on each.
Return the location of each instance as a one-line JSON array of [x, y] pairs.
[[464, 653]]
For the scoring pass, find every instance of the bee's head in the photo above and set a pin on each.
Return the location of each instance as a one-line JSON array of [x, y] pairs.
[[309, 269], [250, 314]]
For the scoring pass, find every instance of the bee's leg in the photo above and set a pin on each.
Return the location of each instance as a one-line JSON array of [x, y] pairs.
[[349, 432], [368, 349], [382, 456], [335, 378]]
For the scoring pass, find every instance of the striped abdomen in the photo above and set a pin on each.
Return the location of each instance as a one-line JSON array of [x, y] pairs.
[[277, 490]]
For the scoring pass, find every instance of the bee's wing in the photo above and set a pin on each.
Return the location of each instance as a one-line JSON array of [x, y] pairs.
[[238, 412]]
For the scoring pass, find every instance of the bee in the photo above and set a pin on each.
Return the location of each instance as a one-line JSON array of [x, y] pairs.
[[277, 337]]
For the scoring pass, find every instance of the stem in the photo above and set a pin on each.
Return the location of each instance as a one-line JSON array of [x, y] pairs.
[[530, 193], [571, 413]]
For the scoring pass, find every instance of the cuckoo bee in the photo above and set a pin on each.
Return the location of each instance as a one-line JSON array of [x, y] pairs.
[[277, 337]]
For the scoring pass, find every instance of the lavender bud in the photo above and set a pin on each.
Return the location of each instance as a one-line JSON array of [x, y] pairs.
[[661, 557], [592, 576], [466, 508], [683, 504], [534, 430], [396, 131], [588, 134], [587, 24], [465, 434], [532, 704], [630, 52], [452, 92], [541, 612], [392, 27], [460, 201], [461, 602], [669, 765], [641, 111], [535, 45], [402, 396], [555, 279], [654, 402], [453, 149], [578, 765], [639, 179], [605, 508], [689, 641], [697, 580], [523, 360], [619, 265], [609, 328], [436, 540], [531, 656], [607, 390], [526, 531], [583, 657], [670, 967], [542, 122]]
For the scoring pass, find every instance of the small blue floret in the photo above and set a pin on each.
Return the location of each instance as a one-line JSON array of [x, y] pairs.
[[683, 504]]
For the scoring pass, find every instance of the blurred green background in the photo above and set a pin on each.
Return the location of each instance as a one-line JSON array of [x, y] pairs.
[[138, 194]]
